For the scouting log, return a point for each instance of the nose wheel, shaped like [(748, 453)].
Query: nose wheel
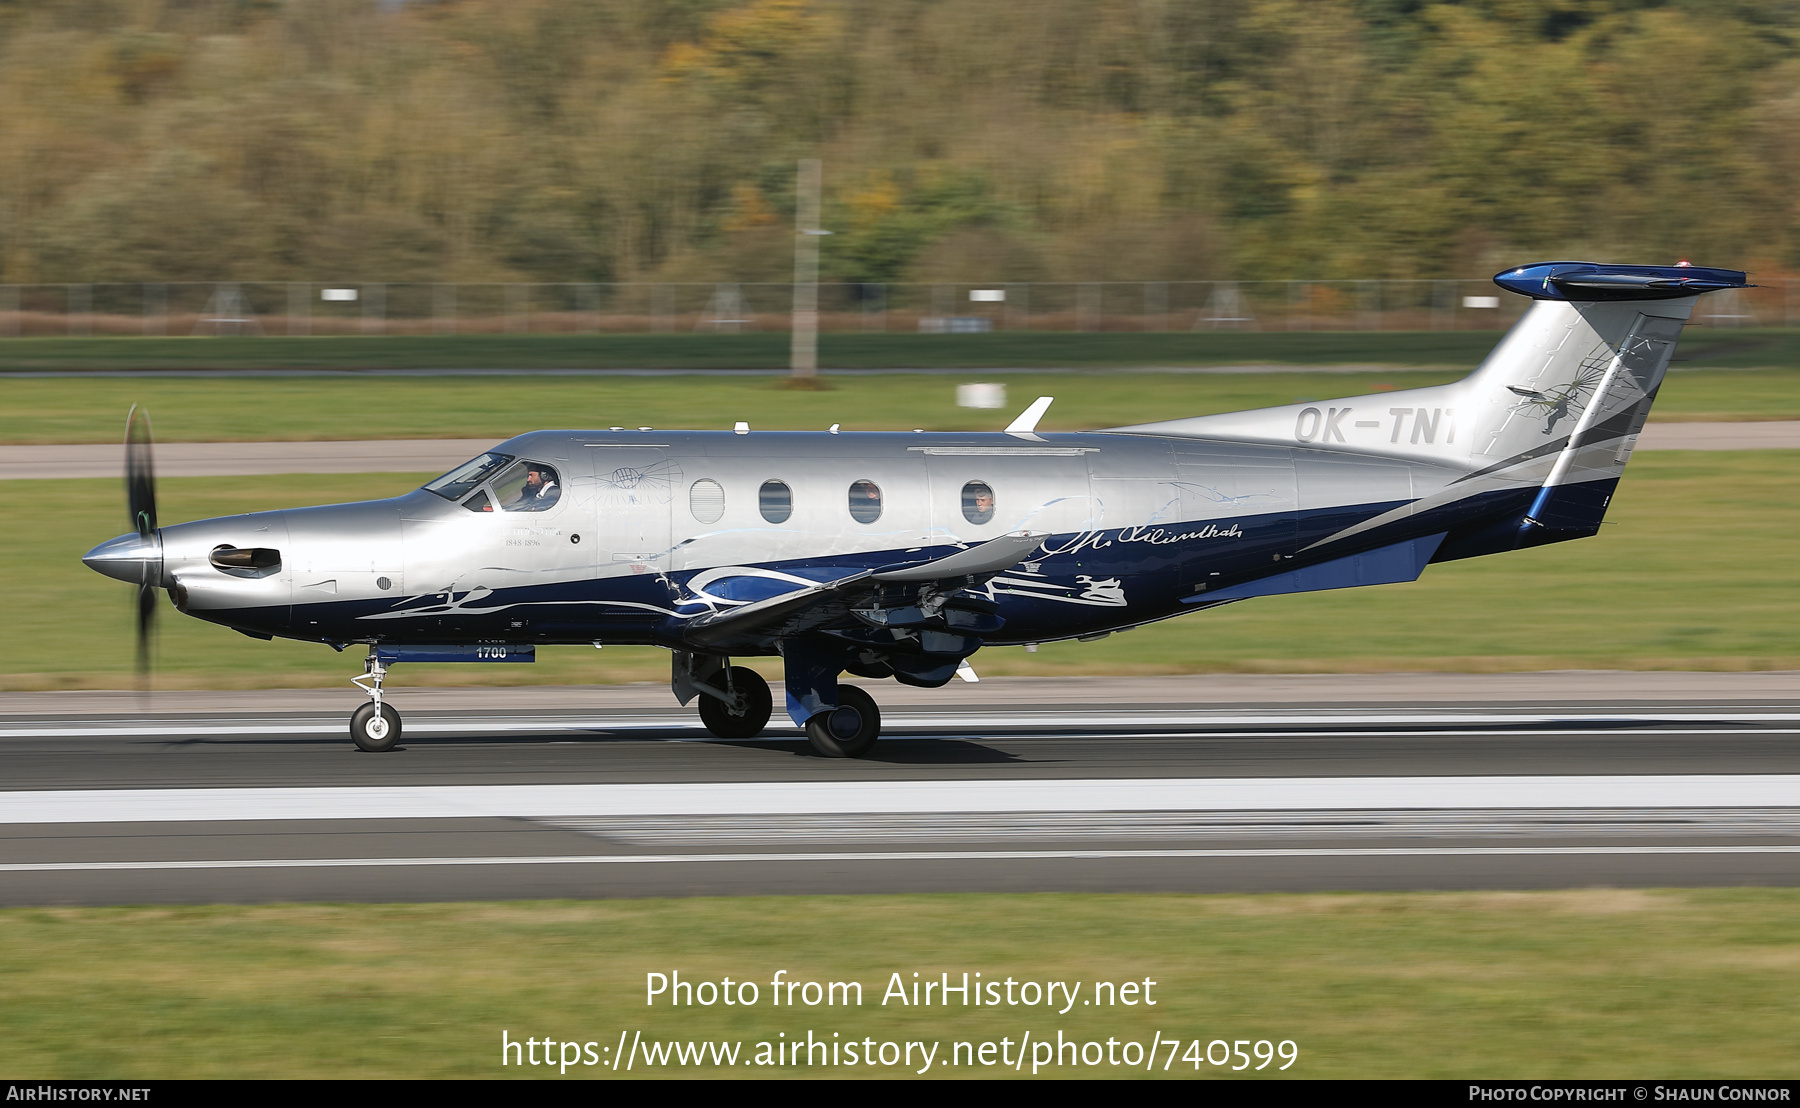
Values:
[(375, 727)]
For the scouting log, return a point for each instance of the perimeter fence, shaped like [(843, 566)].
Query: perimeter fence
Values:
[(313, 308)]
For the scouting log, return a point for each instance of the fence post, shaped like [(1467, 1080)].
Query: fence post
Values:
[(443, 309), (156, 308), (299, 308), (374, 309), (1156, 305), (1368, 305), (1087, 306), (81, 309), (1017, 316), (874, 320), (662, 296), (9, 311), (943, 300), (587, 307)]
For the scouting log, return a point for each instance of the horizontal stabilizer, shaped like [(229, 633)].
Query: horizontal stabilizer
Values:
[(1388, 565), (1592, 281)]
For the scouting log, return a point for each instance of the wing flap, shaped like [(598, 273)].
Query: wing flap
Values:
[(991, 556), (808, 608)]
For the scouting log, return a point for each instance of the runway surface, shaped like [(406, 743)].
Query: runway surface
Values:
[(1020, 784), (207, 459)]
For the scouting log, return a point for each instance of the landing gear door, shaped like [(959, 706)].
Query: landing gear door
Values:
[(635, 489)]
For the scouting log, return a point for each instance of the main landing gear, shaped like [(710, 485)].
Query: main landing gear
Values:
[(850, 729), (735, 703), (375, 727)]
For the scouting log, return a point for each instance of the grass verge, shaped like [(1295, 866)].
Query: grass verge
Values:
[(1600, 983), (185, 409), (1692, 571), (757, 350), (769, 350)]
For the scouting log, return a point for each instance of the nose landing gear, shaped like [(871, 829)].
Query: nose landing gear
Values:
[(375, 727)]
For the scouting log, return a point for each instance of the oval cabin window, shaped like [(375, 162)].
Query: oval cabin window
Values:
[(775, 501), (865, 501), (706, 499), (978, 502)]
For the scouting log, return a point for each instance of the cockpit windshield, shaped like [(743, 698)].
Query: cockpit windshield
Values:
[(457, 483)]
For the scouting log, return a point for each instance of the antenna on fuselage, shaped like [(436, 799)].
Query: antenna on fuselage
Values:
[(1028, 419)]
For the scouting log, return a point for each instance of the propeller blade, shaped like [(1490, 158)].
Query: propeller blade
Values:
[(140, 473), (146, 624), (140, 503)]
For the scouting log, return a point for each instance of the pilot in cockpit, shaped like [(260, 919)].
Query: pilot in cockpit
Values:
[(539, 491)]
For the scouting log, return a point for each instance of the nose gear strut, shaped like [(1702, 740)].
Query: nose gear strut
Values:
[(375, 727)]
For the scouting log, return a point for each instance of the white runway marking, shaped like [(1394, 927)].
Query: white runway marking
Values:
[(892, 856), (820, 797), (783, 728), (464, 726)]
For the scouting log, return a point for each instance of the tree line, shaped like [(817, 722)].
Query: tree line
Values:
[(970, 140)]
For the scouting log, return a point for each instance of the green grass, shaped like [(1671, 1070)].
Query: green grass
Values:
[(769, 350), (761, 350), (1604, 983), (52, 410), (189, 410), (1693, 571)]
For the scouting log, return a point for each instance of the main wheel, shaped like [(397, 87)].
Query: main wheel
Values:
[(375, 730), (850, 729), (722, 721)]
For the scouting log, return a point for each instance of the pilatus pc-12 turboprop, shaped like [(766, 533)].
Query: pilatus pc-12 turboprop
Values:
[(900, 555)]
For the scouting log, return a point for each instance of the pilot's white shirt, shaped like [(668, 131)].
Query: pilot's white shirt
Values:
[(543, 498)]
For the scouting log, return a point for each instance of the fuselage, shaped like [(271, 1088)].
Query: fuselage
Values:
[(649, 529)]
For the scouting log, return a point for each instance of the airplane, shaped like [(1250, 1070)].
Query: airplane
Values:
[(901, 555)]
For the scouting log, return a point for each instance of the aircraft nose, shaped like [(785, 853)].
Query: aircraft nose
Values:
[(130, 558)]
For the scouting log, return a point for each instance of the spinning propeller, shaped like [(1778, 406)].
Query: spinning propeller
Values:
[(136, 558), (140, 501)]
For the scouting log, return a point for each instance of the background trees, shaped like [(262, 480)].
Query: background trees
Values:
[(976, 139)]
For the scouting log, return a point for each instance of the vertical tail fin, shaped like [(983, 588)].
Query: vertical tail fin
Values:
[(1541, 429), (1562, 400), (1588, 354), (1566, 394)]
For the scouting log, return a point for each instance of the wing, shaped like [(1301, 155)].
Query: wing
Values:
[(895, 596)]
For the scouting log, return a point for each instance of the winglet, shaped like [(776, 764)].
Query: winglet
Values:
[(1028, 419)]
